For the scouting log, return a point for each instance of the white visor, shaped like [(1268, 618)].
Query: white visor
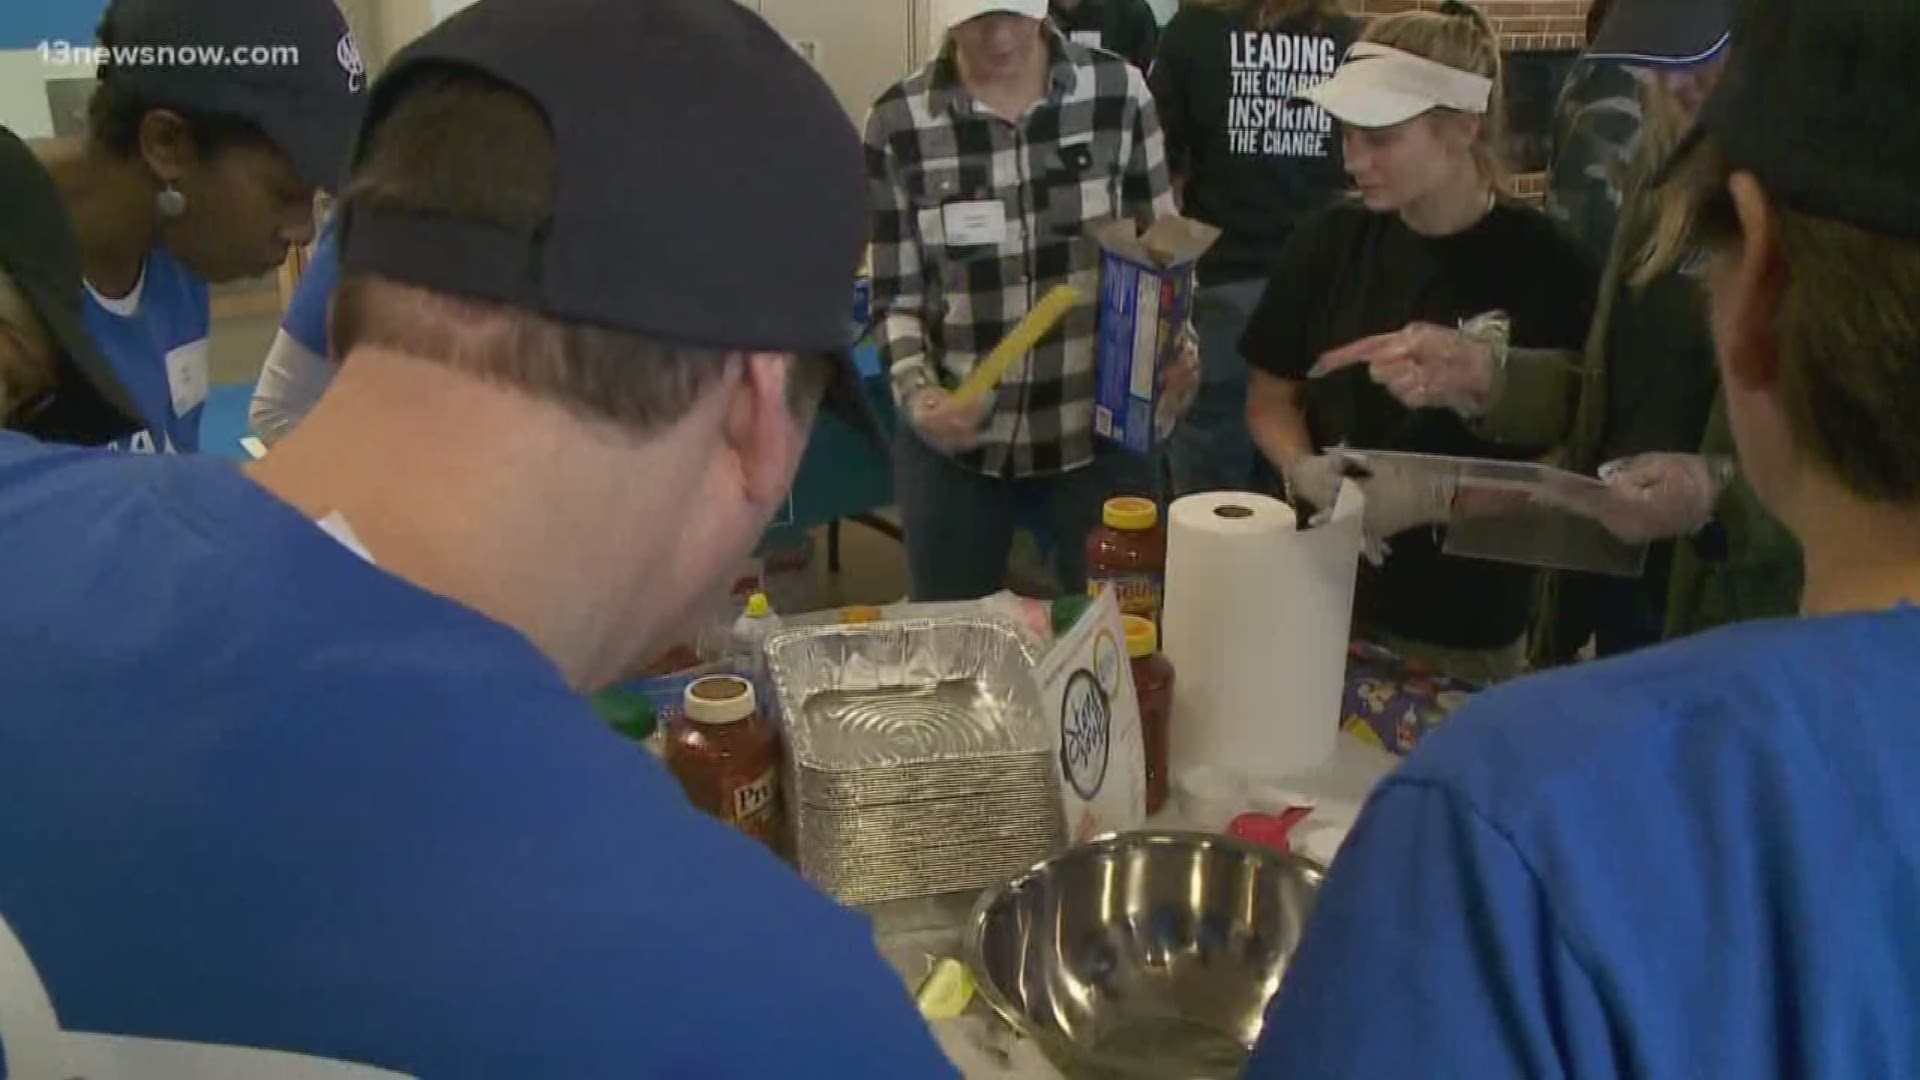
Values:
[(948, 14), (1377, 87)]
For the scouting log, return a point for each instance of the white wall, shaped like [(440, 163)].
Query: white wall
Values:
[(860, 47), (23, 90), (1164, 9)]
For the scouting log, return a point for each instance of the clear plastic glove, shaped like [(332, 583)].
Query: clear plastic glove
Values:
[(1398, 503), (1313, 480), (944, 422), (1661, 496), (1424, 367), (1179, 384)]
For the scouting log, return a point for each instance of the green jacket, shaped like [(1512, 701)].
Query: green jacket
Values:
[(1559, 398), (1761, 576)]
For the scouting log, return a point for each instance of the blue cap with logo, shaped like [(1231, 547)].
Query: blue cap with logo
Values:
[(289, 67)]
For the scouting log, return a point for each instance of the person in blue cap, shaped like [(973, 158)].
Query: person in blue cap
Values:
[(300, 772), (211, 128), (1701, 860)]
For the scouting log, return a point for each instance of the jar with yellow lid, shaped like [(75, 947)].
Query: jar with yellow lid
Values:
[(1153, 688), (1128, 551)]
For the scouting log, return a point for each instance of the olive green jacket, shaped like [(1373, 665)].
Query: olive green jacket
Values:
[(1559, 398)]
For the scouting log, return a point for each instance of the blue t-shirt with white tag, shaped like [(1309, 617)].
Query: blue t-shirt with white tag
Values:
[(1700, 861), (269, 807), (156, 339)]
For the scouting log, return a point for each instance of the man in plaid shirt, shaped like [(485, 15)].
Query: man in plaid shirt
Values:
[(986, 168)]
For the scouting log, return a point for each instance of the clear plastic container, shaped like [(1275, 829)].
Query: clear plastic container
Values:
[(748, 651)]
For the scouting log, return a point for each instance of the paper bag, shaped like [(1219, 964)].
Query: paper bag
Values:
[(1086, 688)]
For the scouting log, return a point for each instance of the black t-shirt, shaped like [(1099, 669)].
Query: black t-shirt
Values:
[(1256, 162), (1127, 27), (1349, 273)]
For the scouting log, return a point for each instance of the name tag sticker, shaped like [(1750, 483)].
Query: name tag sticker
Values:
[(187, 376), (1089, 38), (969, 224)]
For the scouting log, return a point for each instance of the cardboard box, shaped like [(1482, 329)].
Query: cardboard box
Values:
[(1146, 298)]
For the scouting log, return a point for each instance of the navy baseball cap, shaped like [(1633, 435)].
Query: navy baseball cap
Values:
[(41, 254), (1803, 106), (710, 189), (1663, 33), (289, 67)]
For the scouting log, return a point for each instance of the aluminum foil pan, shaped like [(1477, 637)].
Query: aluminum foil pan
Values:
[(918, 758), (881, 696), (999, 777), (911, 824), (928, 871)]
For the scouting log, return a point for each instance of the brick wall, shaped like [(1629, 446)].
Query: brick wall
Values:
[(1523, 25)]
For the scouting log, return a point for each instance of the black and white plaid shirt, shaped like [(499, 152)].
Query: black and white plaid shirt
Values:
[(1091, 151)]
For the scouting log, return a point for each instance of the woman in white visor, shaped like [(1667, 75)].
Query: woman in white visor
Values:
[(1430, 238)]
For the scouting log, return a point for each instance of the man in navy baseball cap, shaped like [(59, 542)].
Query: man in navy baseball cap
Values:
[(1656, 33), (717, 253), (309, 769)]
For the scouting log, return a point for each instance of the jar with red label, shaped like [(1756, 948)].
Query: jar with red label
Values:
[(1129, 552), (1153, 686), (727, 757)]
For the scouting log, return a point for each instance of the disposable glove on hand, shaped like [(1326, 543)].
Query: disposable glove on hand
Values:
[(1424, 367), (946, 424), (1397, 503), (1661, 496), (1179, 385), (1313, 481)]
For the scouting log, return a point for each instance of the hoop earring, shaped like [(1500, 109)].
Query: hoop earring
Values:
[(169, 202)]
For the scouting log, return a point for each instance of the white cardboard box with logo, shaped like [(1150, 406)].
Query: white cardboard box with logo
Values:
[(1086, 688)]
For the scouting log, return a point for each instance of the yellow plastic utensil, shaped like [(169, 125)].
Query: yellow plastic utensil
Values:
[(946, 992), (1045, 315)]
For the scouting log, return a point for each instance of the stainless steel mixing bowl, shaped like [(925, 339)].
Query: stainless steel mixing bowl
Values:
[(1148, 954)]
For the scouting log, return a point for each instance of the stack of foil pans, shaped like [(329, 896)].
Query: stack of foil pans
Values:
[(918, 758)]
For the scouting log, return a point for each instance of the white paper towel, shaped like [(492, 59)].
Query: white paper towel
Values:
[(1256, 624)]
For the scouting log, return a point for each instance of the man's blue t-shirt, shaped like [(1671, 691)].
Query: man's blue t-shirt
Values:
[(1701, 861), (156, 340), (260, 794)]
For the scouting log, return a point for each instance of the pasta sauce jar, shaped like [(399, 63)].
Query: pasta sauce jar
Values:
[(1153, 686), (1129, 552), (727, 757)]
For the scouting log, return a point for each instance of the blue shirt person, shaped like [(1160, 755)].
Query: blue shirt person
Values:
[(1702, 859)]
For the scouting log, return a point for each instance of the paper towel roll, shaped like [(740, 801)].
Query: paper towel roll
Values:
[(1256, 623)]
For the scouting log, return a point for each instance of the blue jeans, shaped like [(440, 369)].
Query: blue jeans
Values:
[(959, 524), (1211, 449)]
